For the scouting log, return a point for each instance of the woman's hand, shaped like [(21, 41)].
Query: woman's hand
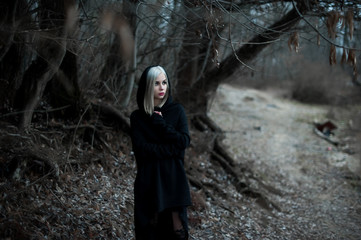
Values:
[(159, 113)]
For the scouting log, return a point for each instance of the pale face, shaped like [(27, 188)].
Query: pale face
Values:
[(160, 88)]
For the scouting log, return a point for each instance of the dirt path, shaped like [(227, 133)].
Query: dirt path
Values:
[(275, 137)]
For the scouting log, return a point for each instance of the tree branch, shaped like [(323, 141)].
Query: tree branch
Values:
[(316, 30), (209, 83)]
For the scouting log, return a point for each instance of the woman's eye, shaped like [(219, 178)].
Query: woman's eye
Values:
[(156, 83), (164, 82)]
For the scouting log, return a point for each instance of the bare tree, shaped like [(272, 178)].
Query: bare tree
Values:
[(200, 43), (201, 89)]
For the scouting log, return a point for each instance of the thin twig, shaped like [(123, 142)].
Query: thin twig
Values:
[(230, 40), (72, 143), (57, 198)]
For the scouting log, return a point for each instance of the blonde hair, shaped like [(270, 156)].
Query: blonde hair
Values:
[(153, 73)]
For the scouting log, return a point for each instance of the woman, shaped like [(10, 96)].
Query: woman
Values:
[(159, 133)]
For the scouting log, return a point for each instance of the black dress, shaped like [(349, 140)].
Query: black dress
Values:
[(161, 185)]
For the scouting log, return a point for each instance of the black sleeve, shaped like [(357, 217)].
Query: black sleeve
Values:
[(179, 136), (145, 149)]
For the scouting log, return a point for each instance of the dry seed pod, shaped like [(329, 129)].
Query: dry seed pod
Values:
[(293, 41), (349, 20), (331, 23), (344, 56), (333, 55), (351, 57)]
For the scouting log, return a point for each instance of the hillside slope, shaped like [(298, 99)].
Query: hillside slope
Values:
[(62, 180)]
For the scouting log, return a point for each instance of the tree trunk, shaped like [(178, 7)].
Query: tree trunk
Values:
[(63, 89), (132, 62), (11, 50), (204, 89), (9, 69), (118, 72), (34, 82), (51, 51), (191, 57), (114, 65), (8, 25), (194, 57)]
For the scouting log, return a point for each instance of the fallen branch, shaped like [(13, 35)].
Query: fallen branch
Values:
[(107, 109)]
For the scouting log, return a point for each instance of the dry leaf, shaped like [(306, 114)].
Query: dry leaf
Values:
[(318, 39), (332, 21), (333, 55), (351, 57), (293, 42), (349, 20), (344, 56)]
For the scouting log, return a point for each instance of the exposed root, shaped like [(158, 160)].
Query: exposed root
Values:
[(239, 175)]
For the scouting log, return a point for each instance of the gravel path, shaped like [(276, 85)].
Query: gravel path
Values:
[(318, 198)]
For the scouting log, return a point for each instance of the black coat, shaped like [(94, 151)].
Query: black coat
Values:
[(159, 143)]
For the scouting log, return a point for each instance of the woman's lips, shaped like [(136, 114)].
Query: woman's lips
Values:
[(161, 94)]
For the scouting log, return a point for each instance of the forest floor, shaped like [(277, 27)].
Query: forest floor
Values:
[(75, 181), (318, 183)]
